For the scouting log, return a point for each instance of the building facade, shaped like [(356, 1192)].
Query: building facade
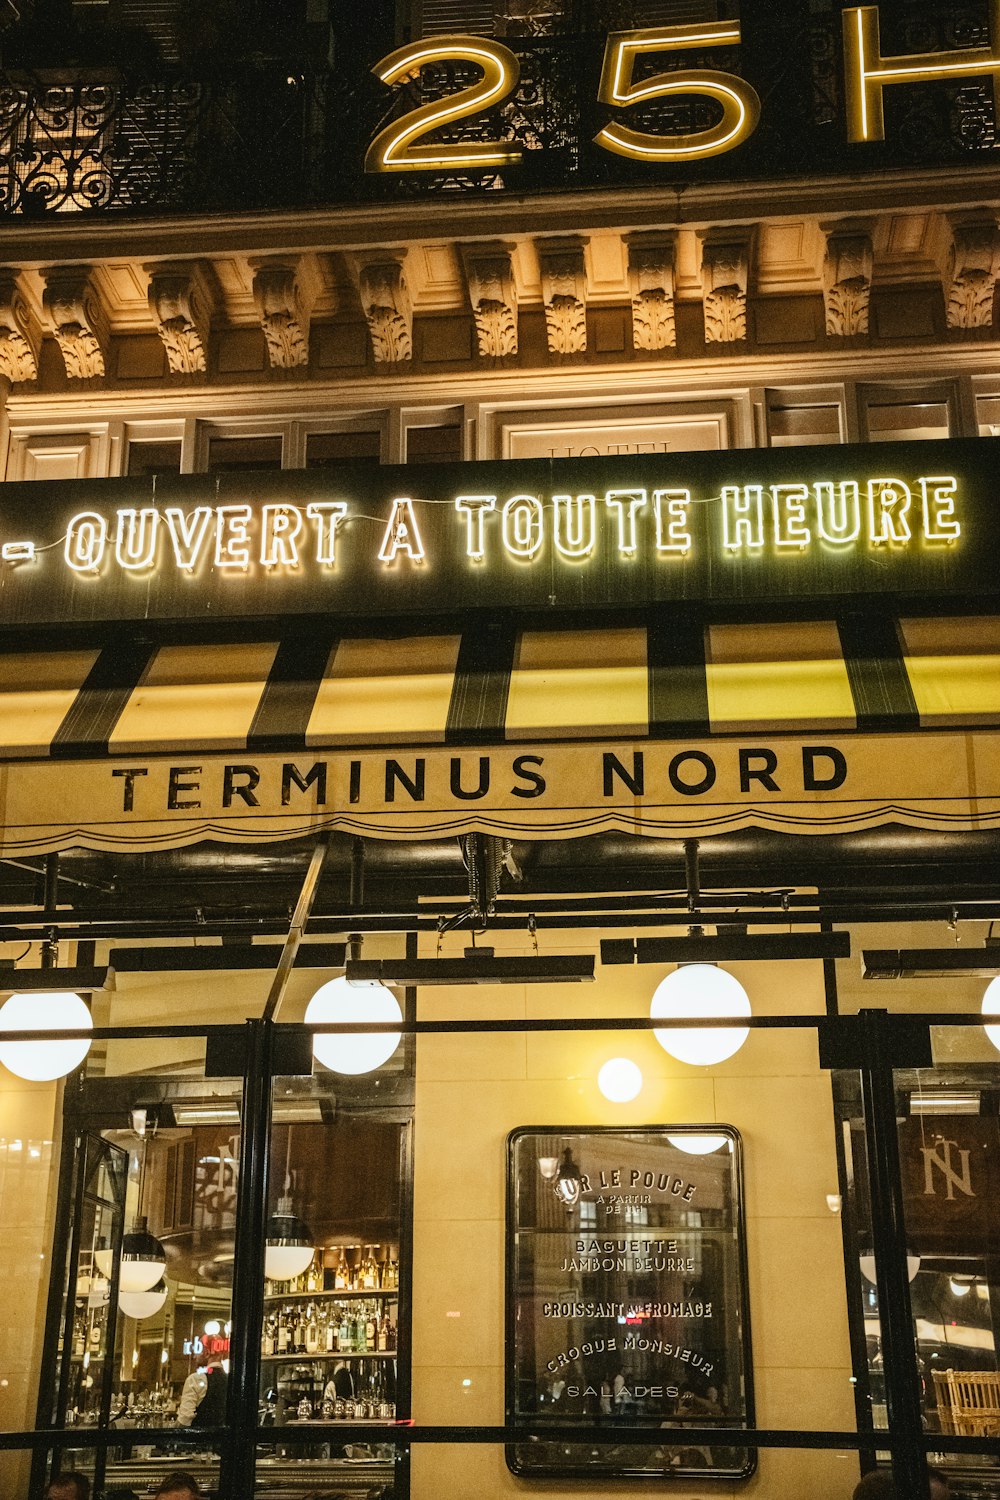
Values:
[(498, 502)]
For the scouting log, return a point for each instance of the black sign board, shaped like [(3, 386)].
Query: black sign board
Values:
[(627, 1300), (363, 542)]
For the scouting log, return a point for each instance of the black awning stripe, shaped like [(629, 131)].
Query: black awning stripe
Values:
[(678, 683), (91, 720), (286, 704), (876, 671), (478, 708)]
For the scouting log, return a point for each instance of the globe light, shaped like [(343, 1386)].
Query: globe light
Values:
[(57, 1010), (699, 1145), (868, 1267), (700, 991), (959, 1288), (145, 1304), (991, 1007), (213, 1327), (340, 1002), (567, 1184), (619, 1080), (143, 1261), (288, 1246)]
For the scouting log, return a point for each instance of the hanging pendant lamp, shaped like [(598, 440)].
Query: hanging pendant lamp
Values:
[(288, 1245), (43, 1061), (145, 1304), (143, 1261)]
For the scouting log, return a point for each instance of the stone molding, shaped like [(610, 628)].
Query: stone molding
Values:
[(725, 271), (78, 321), (564, 295), (20, 331), (973, 267), (284, 305), (489, 276), (385, 300), (181, 304), (847, 282), (651, 281)]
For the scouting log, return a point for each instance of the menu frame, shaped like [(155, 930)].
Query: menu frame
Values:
[(547, 1467)]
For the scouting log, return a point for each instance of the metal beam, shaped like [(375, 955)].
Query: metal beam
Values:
[(300, 916)]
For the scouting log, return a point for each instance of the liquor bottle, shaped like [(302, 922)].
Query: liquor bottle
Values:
[(332, 1341), (283, 1336), (312, 1330), (79, 1337), (371, 1327), (346, 1342), (311, 1276), (369, 1270), (341, 1276), (382, 1334)]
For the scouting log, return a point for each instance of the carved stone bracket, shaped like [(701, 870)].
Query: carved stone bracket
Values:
[(385, 299), (651, 280), (181, 303), (493, 295), (78, 320), (284, 303), (973, 267), (564, 293), (847, 282), (20, 331), (725, 269)]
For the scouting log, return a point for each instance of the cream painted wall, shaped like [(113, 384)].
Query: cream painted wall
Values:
[(29, 1128), (473, 1089)]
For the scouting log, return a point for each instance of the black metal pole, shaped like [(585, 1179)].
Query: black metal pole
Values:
[(238, 1467), (899, 1360)]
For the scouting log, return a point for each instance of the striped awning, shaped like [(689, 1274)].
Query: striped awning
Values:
[(420, 705)]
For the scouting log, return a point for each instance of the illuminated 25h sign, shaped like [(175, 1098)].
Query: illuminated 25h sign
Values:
[(412, 143)]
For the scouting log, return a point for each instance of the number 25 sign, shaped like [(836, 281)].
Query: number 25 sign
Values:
[(403, 146)]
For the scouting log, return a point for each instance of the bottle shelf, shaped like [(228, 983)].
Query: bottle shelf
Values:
[(307, 1359), (343, 1294)]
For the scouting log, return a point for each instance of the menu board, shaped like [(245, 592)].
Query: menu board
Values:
[(627, 1302)]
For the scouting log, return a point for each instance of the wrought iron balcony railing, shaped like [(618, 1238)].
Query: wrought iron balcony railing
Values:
[(260, 137)]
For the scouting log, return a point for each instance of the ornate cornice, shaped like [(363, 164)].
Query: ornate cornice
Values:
[(564, 294), (181, 304), (77, 320)]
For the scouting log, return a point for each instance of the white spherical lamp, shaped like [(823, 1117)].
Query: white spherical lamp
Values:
[(991, 1007), (288, 1244), (699, 992), (339, 1002), (868, 1267), (43, 1010), (619, 1080), (144, 1304)]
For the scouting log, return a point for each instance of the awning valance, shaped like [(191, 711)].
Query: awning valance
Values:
[(807, 726)]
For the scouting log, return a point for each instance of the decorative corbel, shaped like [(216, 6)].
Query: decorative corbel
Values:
[(181, 303), (651, 280), (847, 281), (284, 304), (20, 331), (385, 299), (973, 267), (564, 294), (77, 319), (725, 268), (493, 296)]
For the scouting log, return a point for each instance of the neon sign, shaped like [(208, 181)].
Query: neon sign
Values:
[(401, 146), (785, 516)]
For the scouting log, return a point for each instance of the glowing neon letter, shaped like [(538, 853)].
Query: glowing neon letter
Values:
[(523, 524), (626, 503), (393, 149), (281, 527), (788, 503), (867, 72), (86, 539), (188, 533), (136, 538), (740, 103), (742, 517), (402, 534), (838, 510), (575, 525), (232, 536), (888, 502), (327, 514), (473, 508), (940, 524), (670, 508)]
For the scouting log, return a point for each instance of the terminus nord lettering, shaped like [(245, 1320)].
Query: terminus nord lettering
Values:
[(415, 779)]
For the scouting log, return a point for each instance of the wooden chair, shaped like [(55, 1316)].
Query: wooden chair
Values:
[(975, 1402)]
